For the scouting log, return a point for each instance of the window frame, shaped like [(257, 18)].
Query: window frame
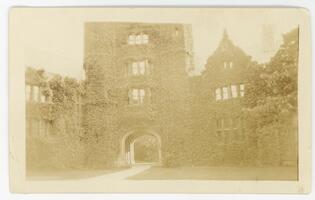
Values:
[(131, 39), (137, 96), (225, 93), (138, 38), (35, 93), (28, 92), (234, 92), (225, 65), (139, 67), (231, 91), (145, 38), (218, 94), (229, 127)]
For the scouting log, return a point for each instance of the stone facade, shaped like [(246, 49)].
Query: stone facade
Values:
[(52, 125), (219, 130), (139, 81), (198, 120)]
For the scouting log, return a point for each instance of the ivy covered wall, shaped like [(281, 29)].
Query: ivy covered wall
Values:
[(256, 125), (53, 133), (108, 109), (83, 124)]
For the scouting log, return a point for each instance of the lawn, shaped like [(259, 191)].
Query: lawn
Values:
[(218, 173)]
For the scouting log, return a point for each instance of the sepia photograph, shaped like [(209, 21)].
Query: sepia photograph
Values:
[(118, 96)]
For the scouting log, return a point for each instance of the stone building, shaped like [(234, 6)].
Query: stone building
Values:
[(223, 132), (137, 84), (34, 96), (52, 125), (217, 112)]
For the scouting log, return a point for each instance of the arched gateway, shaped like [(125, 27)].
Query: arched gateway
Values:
[(127, 146)]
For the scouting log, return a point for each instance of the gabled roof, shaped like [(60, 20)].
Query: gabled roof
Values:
[(227, 46)]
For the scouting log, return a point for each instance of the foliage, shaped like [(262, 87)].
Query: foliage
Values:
[(62, 147), (271, 98), (273, 88), (35, 77)]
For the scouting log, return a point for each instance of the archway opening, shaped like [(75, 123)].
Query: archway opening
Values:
[(146, 149), (141, 148)]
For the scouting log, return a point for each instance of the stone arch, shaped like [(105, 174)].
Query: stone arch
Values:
[(132, 136)]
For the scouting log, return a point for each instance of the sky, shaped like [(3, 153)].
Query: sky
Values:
[(53, 37)]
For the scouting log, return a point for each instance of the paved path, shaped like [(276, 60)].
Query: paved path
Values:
[(124, 174)]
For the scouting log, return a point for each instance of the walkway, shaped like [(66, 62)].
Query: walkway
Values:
[(124, 174)]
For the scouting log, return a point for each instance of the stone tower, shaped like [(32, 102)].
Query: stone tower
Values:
[(137, 84)]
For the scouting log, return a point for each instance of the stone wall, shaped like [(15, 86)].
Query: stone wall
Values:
[(52, 128)]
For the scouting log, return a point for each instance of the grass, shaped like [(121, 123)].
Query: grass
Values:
[(218, 173)]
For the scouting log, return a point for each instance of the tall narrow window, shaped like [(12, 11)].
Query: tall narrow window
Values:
[(134, 68), (231, 65), (28, 92), (242, 90), (131, 39), (234, 91), (138, 39), (145, 39), (35, 93), (141, 95), (225, 65), (225, 92), (137, 96), (218, 94), (141, 67)]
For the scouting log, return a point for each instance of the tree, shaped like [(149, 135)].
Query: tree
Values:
[(271, 99)]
